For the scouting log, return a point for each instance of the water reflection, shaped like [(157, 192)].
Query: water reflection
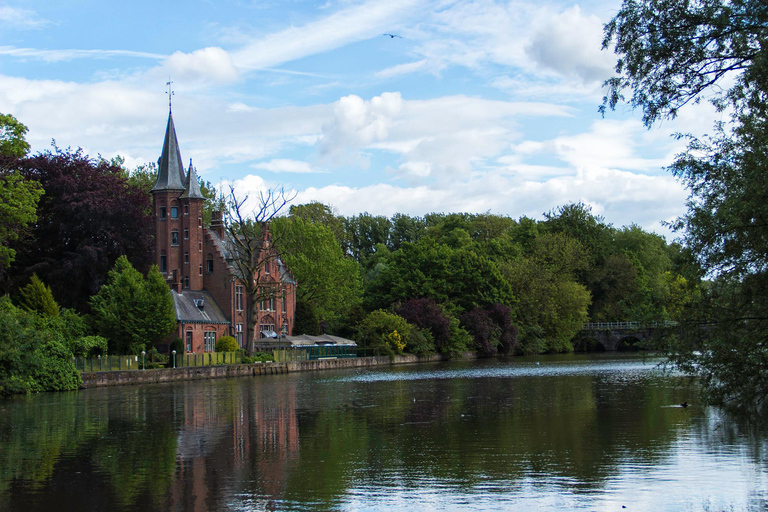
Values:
[(568, 432)]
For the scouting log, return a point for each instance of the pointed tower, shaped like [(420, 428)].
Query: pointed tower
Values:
[(195, 264), (167, 207)]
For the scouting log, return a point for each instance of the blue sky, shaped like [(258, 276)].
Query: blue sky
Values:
[(478, 106)]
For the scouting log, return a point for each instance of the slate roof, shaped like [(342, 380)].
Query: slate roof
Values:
[(170, 171), (192, 188), (188, 308), (305, 340), (227, 249)]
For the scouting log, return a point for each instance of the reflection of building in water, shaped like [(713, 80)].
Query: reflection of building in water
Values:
[(249, 437)]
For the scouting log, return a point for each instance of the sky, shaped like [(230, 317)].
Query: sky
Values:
[(475, 106)]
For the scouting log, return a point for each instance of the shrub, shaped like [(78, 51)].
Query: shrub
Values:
[(226, 344), (177, 345), (421, 343), (36, 297), (376, 331), (33, 356), (89, 346)]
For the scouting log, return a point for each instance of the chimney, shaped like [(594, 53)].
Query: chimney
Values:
[(176, 284), (217, 224)]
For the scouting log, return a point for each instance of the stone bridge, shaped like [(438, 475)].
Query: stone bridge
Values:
[(619, 335)]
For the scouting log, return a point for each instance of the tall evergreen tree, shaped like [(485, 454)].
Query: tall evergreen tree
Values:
[(131, 312)]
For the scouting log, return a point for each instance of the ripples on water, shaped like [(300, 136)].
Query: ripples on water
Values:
[(545, 433)]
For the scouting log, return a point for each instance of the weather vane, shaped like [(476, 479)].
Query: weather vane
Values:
[(170, 92)]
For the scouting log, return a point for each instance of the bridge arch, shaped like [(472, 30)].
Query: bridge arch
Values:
[(630, 344), (588, 344)]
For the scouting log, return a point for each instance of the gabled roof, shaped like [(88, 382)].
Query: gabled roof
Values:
[(192, 188), (197, 307), (228, 250), (170, 171)]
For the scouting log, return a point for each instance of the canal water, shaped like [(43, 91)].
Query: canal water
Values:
[(568, 432)]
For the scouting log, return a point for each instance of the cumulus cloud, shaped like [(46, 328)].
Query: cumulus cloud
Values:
[(358, 123), (622, 197), (570, 44), (207, 64)]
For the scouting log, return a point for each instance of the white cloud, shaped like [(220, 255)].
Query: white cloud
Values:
[(358, 123), (401, 69), (280, 165), (21, 18), (207, 64), (570, 44), (345, 26), (622, 197), (70, 54)]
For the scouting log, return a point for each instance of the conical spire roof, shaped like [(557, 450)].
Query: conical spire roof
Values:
[(170, 171), (192, 189)]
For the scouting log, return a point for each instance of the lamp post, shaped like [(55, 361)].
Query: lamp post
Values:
[(143, 360), (174, 358)]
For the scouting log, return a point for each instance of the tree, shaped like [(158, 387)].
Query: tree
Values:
[(37, 297), (87, 218), (328, 281), (247, 228), (133, 313), (671, 53), (552, 305), (320, 213), (18, 209), (33, 357), (426, 314), (460, 277), (12, 141)]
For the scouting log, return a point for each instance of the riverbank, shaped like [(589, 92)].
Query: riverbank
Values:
[(131, 377)]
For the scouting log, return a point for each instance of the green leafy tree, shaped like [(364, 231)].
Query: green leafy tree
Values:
[(38, 298), (18, 209), (672, 53), (328, 281), (12, 141), (131, 312), (320, 213), (33, 357)]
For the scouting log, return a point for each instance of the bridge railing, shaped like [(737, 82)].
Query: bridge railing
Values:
[(592, 326)]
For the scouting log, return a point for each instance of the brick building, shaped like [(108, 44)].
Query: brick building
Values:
[(198, 263)]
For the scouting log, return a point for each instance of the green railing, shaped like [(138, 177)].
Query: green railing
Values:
[(207, 359), (118, 363), (313, 353)]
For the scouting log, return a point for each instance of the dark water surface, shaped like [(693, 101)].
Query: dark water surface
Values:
[(546, 433)]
